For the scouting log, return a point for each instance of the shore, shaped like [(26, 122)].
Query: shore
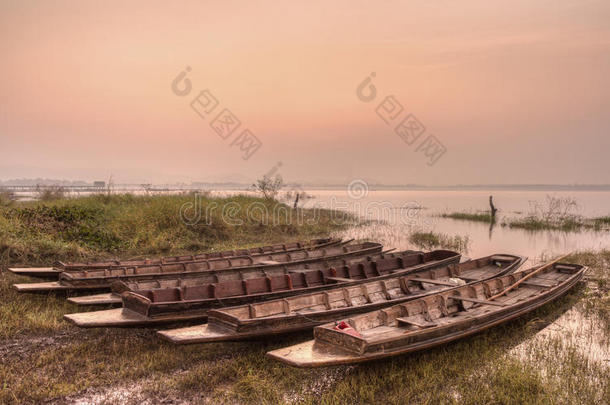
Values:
[(44, 358)]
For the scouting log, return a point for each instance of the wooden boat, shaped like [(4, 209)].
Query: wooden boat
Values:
[(59, 267), (432, 320), (306, 311), (235, 266), (155, 306), (119, 287)]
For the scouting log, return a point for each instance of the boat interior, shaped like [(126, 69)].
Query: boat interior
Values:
[(295, 280), (382, 291), (435, 315), (224, 263), (268, 249)]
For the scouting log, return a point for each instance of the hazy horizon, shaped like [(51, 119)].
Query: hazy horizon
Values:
[(517, 92)]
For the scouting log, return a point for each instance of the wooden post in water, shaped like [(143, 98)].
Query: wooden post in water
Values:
[(493, 208), (296, 201)]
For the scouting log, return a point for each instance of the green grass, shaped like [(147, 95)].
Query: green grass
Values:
[(466, 216), (537, 224), (433, 240), (568, 224), (601, 222), (124, 225)]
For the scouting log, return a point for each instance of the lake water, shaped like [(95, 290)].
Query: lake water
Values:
[(397, 213)]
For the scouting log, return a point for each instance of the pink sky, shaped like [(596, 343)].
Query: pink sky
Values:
[(517, 92)]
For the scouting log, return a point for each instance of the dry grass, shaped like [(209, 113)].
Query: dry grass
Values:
[(433, 240), (74, 364)]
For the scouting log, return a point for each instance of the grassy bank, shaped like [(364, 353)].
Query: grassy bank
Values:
[(569, 224), (433, 240), (42, 358), (503, 365), (123, 225), (126, 226), (467, 216)]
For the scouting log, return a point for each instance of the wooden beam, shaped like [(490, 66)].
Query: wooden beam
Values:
[(431, 281), (532, 274), (477, 301), (415, 323), (340, 279)]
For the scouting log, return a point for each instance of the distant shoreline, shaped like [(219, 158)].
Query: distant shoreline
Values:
[(11, 185)]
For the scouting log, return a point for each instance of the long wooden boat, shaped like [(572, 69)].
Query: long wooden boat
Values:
[(432, 320), (119, 287), (305, 311), (187, 302), (235, 266), (59, 267)]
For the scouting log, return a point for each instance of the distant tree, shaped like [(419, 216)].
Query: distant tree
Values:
[(269, 187), (50, 193)]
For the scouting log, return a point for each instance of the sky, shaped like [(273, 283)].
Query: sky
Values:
[(502, 92)]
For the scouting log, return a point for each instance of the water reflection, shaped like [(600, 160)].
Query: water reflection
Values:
[(576, 331), (485, 238)]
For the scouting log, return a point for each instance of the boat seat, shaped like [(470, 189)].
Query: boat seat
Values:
[(562, 268), (431, 281), (477, 301), (538, 283), (196, 292), (421, 325), (501, 258), (339, 279), (166, 295), (228, 289)]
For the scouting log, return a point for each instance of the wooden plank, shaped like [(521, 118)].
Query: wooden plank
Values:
[(538, 283), (40, 287), (121, 317), (422, 325), (477, 301), (431, 281), (35, 271), (98, 299), (340, 279), (528, 276)]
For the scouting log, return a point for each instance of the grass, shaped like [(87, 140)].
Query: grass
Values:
[(601, 222), (432, 240), (466, 216), (570, 223), (532, 223), (42, 358), (123, 225), (126, 226), (565, 224), (474, 370)]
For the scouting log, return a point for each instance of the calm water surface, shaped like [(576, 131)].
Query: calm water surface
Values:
[(396, 216)]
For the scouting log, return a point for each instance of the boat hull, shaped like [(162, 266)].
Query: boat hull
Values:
[(123, 318), (179, 311), (320, 354), (54, 272), (222, 327), (71, 282)]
